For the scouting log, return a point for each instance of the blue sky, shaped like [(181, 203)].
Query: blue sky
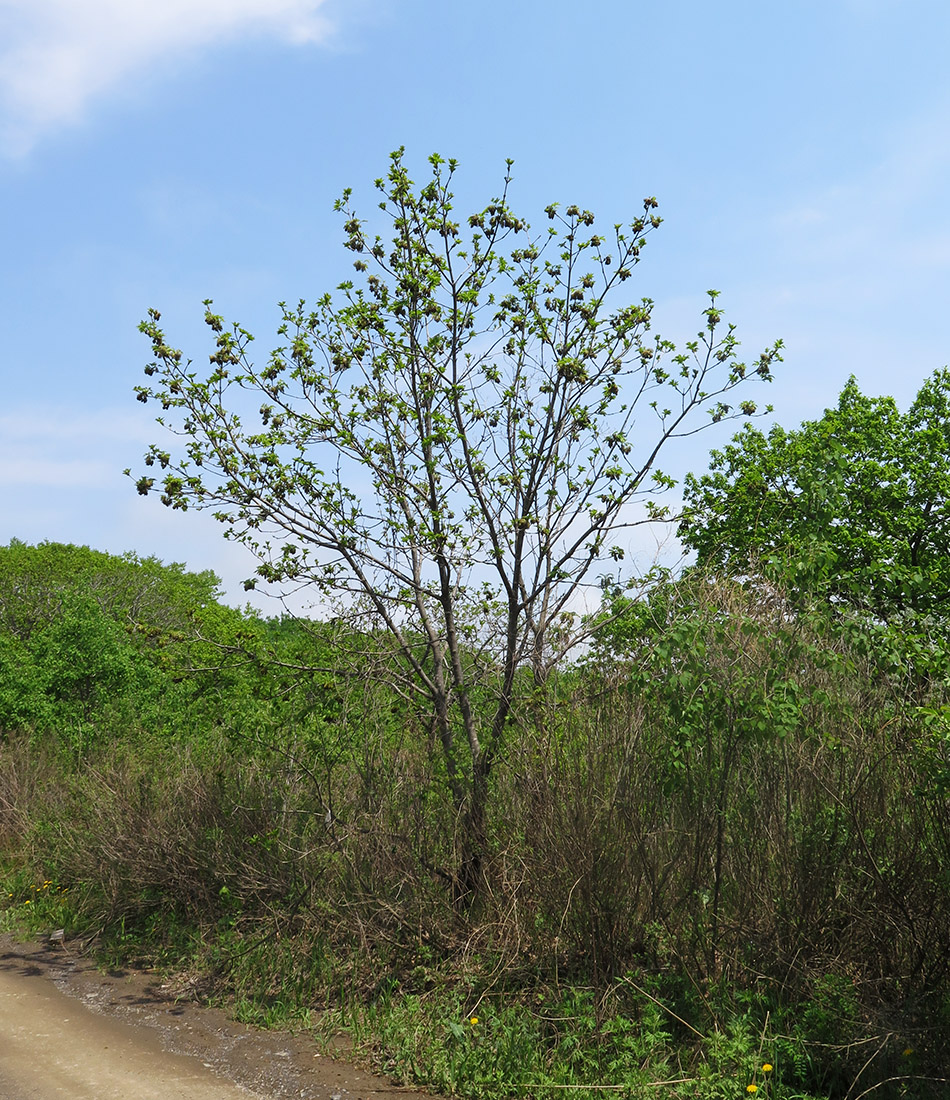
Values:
[(158, 154)]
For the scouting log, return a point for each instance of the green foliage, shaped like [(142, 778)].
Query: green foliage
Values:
[(84, 656), (854, 506), (23, 700), (93, 644), (448, 447), (496, 1047), (723, 660), (36, 907), (721, 843), (129, 588)]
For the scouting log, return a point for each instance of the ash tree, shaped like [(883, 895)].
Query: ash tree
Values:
[(449, 448)]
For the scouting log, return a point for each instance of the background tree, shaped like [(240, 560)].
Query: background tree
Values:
[(858, 502), (106, 646), (449, 448), (133, 590)]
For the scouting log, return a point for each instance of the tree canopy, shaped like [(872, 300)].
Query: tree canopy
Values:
[(34, 580), (101, 645), (859, 500)]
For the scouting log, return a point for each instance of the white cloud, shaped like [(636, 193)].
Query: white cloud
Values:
[(48, 426), (40, 473), (886, 211), (59, 448), (59, 56)]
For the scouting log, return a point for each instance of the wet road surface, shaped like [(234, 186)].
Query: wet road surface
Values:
[(70, 1032)]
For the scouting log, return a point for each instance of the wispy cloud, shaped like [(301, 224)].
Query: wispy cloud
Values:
[(856, 270), (41, 473), (884, 214), (59, 56), (49, 426), (48, 448), (61, 479)]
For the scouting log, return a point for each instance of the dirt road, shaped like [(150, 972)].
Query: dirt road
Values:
[(69, 1032)]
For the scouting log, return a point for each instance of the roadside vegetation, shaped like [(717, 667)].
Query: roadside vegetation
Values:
[(519, 821), (720, 841)]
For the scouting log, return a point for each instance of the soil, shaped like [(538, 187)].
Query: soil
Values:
[(72, 1032)]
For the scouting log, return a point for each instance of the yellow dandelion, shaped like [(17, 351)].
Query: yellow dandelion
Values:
[(752, 1088), (908, 1052), (473, 1020), (767, 1068)]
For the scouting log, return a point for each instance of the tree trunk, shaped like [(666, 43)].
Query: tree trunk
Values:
[(473, 844)]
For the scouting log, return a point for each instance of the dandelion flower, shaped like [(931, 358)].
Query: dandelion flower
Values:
[(908, 1052), (752, 1088), (767, 1068), (473, 1020)]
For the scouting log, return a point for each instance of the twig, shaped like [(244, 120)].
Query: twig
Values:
[(903, 1077), (665, 1008), (865, 1066), (645, 1085)]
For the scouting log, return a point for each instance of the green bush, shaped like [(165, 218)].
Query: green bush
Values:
[(720, 843)]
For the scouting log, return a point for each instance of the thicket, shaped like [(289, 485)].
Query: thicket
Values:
[(720, 841)]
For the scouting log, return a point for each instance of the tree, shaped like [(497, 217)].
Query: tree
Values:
[(448, 448), (858, 502), (100, 642), (34, 580)]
